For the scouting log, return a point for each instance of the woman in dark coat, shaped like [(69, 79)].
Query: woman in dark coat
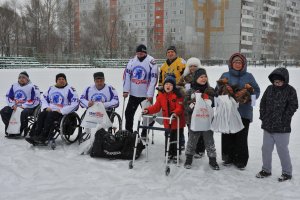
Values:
[(242, 84)]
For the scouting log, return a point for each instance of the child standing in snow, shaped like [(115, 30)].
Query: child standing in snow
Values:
[(277, 106), (199, 85), (170, 100), (186, 80)]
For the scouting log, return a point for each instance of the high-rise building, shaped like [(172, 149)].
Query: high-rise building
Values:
[(211, 29)]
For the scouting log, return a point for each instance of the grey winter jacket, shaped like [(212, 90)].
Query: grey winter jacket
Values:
[(278, 105), (238, 79)]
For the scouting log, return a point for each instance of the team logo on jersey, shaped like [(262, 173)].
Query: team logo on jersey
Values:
[(139, 75), (99, 97), (20, 97), (57, 99)]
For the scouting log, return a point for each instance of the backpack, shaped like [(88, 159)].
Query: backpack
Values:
[(118, 146)]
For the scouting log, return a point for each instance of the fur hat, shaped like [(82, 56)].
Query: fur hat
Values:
[(60, 75), (170, 79), (190, 62), (141, 48)]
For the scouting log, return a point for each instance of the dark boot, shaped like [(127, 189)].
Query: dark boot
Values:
[(284, 177), (188, 161), (213, 163)]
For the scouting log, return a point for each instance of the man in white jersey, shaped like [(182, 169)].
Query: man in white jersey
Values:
[(100, 92), (60, 99), (22, 94), (140, 78)]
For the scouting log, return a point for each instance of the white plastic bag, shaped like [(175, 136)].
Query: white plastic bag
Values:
[(235, 124), (146, 120), (96, 117), (14, 124), (202, 114), (226, 119), (85, 147)]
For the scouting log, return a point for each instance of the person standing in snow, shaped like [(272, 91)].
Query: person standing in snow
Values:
[(60, 99), (277, 107), (170, 101), (140, 79), (241, 85), (186, 81), (22, 94), (199, 85), (174, 65)]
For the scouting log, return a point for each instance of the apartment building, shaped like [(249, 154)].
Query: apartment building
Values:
[(210, 29)]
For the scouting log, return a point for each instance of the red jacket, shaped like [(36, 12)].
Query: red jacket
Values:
[(169, 103)]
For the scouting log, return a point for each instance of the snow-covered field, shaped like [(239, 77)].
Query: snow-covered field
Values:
[(40, 173)]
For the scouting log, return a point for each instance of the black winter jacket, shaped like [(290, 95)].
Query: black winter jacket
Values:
[(278, 105)]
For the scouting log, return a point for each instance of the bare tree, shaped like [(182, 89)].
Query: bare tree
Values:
[(66, 25), (105, 34), (276, 39)]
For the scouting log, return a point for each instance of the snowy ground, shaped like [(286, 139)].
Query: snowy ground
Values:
[(41, 173)]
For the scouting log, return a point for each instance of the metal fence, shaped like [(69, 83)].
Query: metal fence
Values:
[(33, 62)]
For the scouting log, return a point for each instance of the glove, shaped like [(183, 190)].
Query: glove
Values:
[(145, 112), (205, 96), (242, 96)]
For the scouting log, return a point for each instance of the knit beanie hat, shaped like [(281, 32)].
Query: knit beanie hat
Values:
[(60, 75), (24, 73), (199, 72), (141, 48), (172, 48), (170, 79), (98, 75)]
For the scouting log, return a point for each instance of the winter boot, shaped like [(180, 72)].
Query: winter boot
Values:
[(263, 174), (188, 161), (284, 177), (213, 163)]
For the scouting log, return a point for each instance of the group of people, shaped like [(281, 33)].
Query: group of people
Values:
[(59, 100), (178, 84)]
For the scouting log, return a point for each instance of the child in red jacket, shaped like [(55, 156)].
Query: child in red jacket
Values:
[(171, 102)]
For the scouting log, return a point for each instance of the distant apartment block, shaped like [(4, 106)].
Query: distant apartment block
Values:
[(210, 29)]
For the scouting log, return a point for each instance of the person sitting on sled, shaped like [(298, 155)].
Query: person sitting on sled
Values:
[(170, 100)]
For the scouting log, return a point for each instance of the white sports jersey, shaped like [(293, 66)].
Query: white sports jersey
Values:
[(63, 99), (140, 78), (27, 96), (107, 95)]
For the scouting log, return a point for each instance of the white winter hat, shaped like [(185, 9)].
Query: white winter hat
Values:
[(192, 61)]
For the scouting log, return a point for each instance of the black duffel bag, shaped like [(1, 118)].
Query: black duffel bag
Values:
[(118, 146)]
